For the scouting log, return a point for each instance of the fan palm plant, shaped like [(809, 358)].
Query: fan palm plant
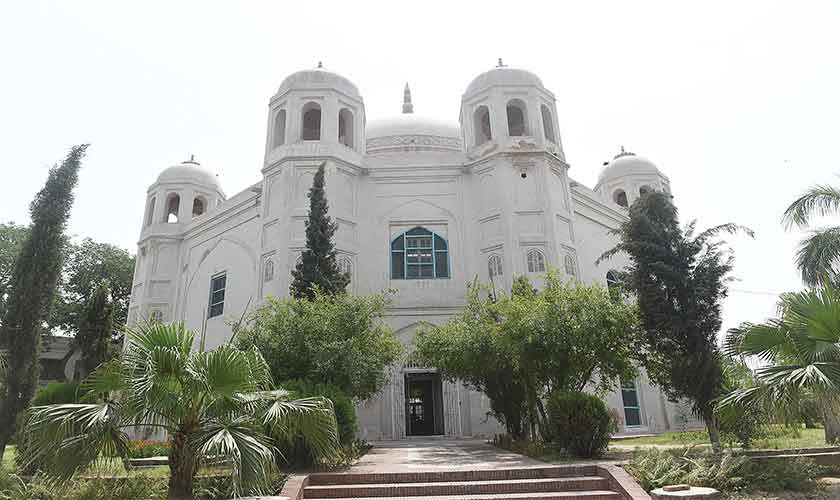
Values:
[(218, 404), (800, 356), (819, 254)]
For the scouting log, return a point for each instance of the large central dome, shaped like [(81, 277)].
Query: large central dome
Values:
[(409, 132)]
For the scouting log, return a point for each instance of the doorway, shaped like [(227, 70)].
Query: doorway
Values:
[(423, 404)]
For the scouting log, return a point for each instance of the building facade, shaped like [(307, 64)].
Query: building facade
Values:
[(423, 207)]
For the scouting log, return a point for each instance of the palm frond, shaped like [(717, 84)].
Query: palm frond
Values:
[(819, 200), (312, 419), (818, 256), (729, 228)]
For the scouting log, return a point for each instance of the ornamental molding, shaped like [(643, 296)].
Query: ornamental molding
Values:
[(415, 141)]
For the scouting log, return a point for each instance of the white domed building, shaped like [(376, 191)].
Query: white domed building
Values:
[(490, 195)]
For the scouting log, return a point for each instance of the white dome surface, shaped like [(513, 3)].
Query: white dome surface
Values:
[(503, 76), (409, 131), (627, 164), (189, 172), (320, 79)]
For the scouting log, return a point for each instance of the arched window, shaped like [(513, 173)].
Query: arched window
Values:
[(613, 283), (345, 127), (311, 126), (150, 216), (644, 190), (569, 266), (280, 128), (419, 254), (536, 261), (199, 206), (494, 266), (548, 124), (481, 124), (345, 265), (156, 316), (173, 203), (268, 271), (516, 118), (620, 197)]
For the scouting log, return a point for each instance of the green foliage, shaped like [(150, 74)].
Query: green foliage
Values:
[(339, 340), (129, 488), (147, 449), (679, 281), (11, 238), (800, 353), (96, 326), (519, 346), (740, 423), (728, 472), (819, 253), (318, 267), (214, 403), (580, 423), (57, 393), (32, 289), (345, 409)]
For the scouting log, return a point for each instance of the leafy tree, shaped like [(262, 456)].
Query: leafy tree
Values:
[(96, 326), (11, 238), (800, 351), (518, 348), (339, 340), (32, 288), (88, 266), (679, 281), (318, 266), (219, 404), (819, 254)]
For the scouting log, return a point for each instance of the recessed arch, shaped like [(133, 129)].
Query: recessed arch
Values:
[(268, 271), (494, 266), (620, 197), (310, 129), (280, 128), (548, 123), (199, 206), (481, 125), (345, 265), (173, 205), (517, 118), (645, 190), (419, 254), (570, 266), (150, 215), (536, 261), (345, 127)]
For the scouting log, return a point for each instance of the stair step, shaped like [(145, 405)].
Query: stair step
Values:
[(550, 495), (321, 479), (441, 488)]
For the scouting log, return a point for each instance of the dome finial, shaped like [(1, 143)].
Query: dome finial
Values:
[(320, 65), (407, 106), (191, 161), (623, 153), (501, 64)]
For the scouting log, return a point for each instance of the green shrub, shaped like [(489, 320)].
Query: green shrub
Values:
[(127, 488), (55, 393), (580, 423), (345, 409), (654, 468), (146, 449)]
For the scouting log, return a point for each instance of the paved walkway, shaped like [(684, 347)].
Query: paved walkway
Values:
[(414, 455)]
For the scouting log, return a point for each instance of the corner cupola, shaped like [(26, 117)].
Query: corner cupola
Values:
[(628, 176), (181, 193), (509, 108)]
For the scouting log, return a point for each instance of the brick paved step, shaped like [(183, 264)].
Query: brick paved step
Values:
[(551, 495), (441, 488), (467, 475)]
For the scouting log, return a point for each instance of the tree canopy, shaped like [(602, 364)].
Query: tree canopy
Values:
[(818, 257), (335, 339), (679, 281), (518, 347)]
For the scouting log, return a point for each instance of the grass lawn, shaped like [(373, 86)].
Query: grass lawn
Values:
[(778, 437)]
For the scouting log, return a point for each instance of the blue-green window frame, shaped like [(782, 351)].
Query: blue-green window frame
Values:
[(216, 302), (439, 245), (631, 385)]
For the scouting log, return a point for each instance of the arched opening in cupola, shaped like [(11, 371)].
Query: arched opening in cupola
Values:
[(345, 127), (280, 128), (173, 204), (199, 206), (311, 123), (516, 118), (548, 124), (481, 124), (620, 197), (150, 216)]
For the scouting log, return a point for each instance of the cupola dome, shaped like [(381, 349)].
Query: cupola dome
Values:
[(189, 172), (318, 79), (503, 76), (627, 163)]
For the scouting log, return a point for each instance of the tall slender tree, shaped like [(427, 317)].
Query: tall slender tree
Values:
[(95, 329), (318, 266), (32, 289), (679, 280)]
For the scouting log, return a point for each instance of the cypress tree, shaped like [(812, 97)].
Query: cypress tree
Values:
[(318, 266), (32, 289), (95, 329), (679, 280)]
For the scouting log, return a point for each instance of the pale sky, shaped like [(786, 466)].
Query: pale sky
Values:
[(737, 102)]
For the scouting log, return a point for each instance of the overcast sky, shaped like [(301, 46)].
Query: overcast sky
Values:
[(737, 102)]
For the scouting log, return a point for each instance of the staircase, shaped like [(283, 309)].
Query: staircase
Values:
[(587, 482)]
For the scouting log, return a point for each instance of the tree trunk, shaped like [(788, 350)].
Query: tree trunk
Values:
[(713, 429), (182, 467), (831, 419)]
